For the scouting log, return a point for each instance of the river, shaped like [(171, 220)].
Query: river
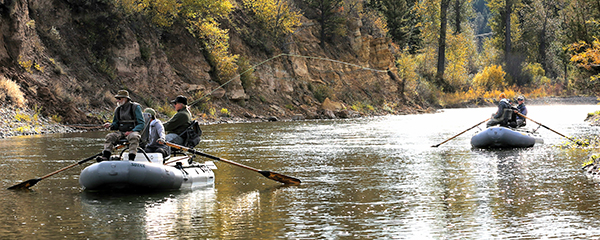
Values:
[(367, 178)]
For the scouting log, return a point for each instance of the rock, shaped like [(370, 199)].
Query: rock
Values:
[(219, 93), (297, 117), (272, 119), (278, 109), (331, 105), (328, 114), (249, 115)]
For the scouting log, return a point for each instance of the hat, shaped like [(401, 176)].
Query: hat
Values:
[(180, 99), (150, 111), (123, 94), (520, 98), (502, 95)]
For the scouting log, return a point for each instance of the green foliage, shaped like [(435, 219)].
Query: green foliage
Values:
[(491, 78), (246, 72), (321, 92), (498, 24), (274, 16), (290, 107), (535, 73), (329, 16), (402, 21)]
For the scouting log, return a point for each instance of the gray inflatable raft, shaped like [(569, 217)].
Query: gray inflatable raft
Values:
[(148, 174), (501, 137)]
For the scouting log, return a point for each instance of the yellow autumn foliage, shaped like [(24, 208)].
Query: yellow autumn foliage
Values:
[(587, 55), (275, 16), (491, 78), (201, 17)]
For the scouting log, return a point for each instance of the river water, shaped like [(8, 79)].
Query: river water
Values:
[(368, 178)]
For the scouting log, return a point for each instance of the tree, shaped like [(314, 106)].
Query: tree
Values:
[(505, 24), (329, 17), (442, 40), (275, 16), (402, 20), (201, 19)]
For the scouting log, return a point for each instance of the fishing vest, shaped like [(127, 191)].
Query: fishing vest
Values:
[(126, 116)]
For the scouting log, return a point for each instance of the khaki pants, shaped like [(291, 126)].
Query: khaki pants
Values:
[(113, 138)]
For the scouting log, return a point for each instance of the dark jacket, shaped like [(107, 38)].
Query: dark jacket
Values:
[(504, 104), (179, 122), (522, 110), (128, 117)]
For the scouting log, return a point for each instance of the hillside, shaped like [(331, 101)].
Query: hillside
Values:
[(70, 58)]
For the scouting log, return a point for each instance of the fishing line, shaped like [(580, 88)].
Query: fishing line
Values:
[(289, 55)]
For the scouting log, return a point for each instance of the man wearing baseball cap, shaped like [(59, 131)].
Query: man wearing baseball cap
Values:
[(522, 110), (179, 122)]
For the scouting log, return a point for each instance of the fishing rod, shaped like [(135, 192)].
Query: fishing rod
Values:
[(288, 55)]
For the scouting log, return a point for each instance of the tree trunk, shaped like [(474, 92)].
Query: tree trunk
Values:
[(507, 40), (457, 8), (442, 40)]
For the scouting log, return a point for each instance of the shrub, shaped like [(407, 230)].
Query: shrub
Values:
[(10, 92), (321, 92), (491, 78)]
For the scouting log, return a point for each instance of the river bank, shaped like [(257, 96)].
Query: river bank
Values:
[(23, 121)]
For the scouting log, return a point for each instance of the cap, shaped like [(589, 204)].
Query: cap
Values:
[(520, 98), (150, 111), (123, 94), (180, 99)]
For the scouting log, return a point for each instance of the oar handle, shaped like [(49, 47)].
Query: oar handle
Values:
[(437, 145), (210, 156), (518, 113)]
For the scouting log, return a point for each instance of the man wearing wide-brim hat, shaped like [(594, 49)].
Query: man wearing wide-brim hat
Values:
[(129, 122), (179, 122)]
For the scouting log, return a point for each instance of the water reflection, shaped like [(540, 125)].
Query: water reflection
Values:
[(162, 215), (371, 178)]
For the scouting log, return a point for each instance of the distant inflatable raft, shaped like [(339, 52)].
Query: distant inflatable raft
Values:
[(501, 137)]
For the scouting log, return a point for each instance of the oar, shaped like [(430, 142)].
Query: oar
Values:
[(437, 145), (29, 183), (268, 174), (548, 128)]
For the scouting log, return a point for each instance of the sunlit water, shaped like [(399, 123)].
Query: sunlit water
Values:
[(371, 178)]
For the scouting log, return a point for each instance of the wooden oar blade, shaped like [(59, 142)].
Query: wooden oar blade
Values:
[(280, 178), (25, 185)]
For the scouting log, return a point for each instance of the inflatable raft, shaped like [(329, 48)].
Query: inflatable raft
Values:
[(501, 137), (148, 173)]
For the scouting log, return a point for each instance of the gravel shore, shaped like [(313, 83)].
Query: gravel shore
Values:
[(18, 122)]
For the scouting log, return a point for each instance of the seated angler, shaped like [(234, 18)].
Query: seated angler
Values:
[(179, 122), (129, 122), (155, 134), (501, 116)]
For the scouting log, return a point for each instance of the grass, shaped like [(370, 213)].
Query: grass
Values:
[(11, 92)]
